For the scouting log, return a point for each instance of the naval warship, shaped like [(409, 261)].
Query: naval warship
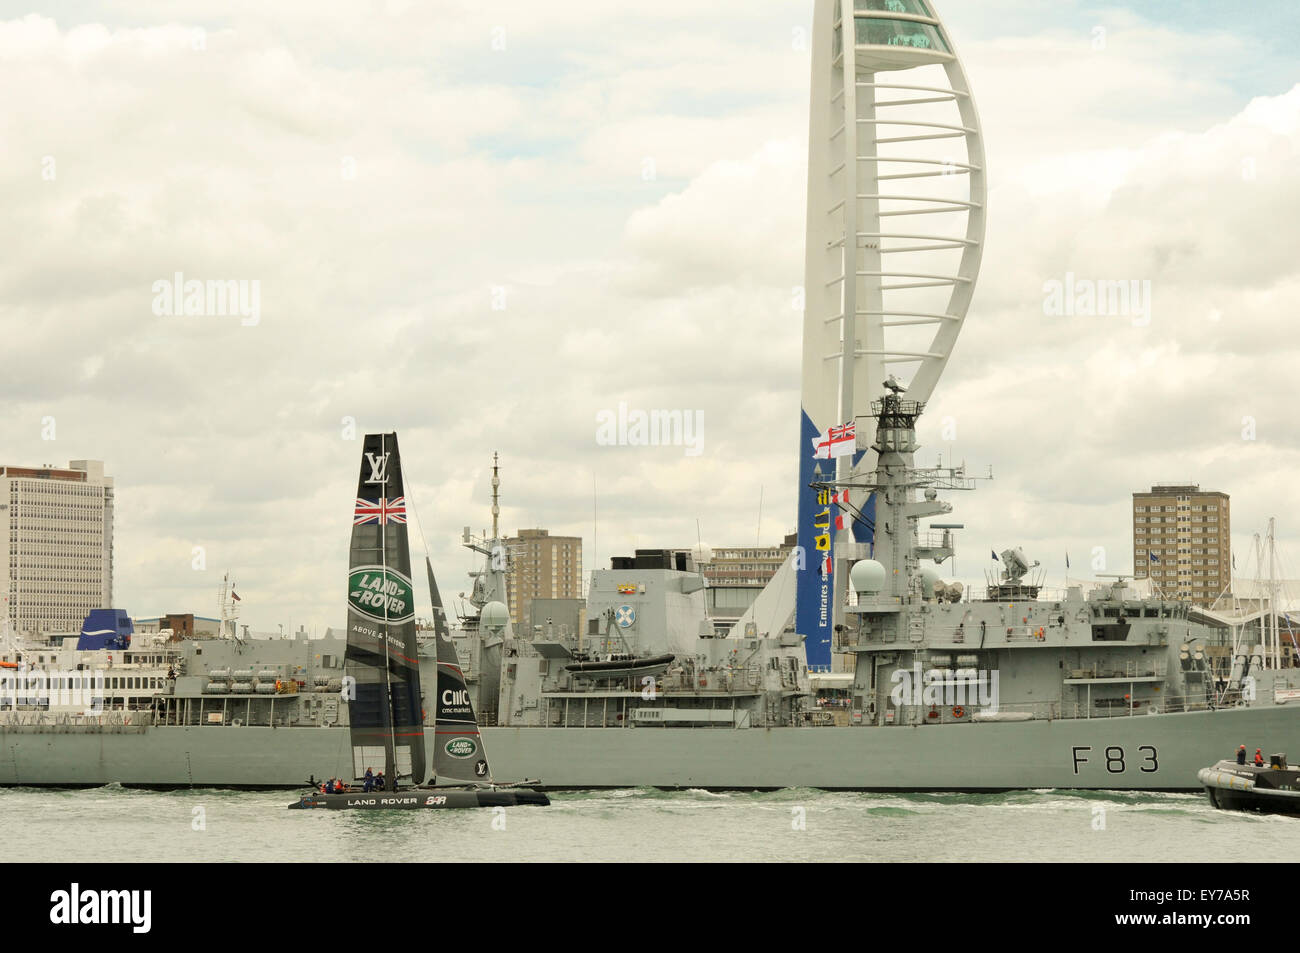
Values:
[(1012, 687)]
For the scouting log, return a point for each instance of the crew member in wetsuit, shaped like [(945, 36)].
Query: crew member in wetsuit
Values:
[(369, 783), (379, 781), (1241, 755)]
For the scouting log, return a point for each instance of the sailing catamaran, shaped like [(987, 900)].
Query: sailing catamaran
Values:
[(382, 684)]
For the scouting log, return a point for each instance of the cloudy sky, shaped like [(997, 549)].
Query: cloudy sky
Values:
[(481, 225)]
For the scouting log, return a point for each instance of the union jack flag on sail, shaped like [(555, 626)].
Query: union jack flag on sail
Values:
[(380, 511), (836, 441)]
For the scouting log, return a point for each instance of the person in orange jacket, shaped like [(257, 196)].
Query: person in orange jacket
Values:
[(1259, 758)]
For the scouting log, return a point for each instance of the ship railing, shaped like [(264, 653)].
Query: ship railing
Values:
[(933, 540), (943, 714), (1236, 696), (1044, 710), (742, 680), (846, 638), (946, 714), (1180, 703), (1052, 594), (1130, 669), (56, 721), (958, 635), (1127, 708)]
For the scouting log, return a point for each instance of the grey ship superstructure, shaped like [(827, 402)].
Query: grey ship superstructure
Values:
[(648, 654), (1018, 656)]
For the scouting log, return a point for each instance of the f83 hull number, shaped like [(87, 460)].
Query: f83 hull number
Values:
[(1116, 759)]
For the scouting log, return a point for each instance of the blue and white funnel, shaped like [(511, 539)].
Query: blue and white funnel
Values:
[(106, 629)]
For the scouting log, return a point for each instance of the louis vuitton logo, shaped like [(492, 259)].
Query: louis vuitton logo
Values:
[(378, 467)]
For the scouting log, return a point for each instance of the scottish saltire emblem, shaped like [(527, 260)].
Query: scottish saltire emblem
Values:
[(624, 616), (380, 511)]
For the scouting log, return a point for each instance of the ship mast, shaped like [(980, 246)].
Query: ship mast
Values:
[(388, 672), (490, 581), (895, 481), (496, 508), (1272, 594), (227, 610)]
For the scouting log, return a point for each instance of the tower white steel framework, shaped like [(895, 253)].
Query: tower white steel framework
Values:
[(896, 202)]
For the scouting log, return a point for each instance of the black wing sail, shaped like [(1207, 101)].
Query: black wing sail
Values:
[(458, 753), (387, 722)]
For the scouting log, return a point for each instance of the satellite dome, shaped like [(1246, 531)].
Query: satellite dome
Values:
[(867, 577), (495, 615), (929, 580)]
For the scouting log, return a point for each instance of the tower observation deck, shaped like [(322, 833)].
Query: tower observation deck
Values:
[(896, 201)]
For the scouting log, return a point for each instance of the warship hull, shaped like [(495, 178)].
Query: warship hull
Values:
[(1139, 752), (419, 799)]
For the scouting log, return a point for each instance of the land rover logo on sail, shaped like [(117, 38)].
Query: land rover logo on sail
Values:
[(376, 592), (461, 748)]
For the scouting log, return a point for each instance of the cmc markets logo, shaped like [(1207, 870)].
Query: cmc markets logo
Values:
[(455, 702), (460, 748), (381, 594), (102, 907)]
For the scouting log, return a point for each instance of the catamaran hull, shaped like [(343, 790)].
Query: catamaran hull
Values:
[(420, 800), (1139, 752)]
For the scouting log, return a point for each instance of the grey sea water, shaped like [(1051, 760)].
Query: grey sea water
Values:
[(113, 824)]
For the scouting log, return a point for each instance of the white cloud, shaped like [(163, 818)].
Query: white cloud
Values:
[(524, 171)]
